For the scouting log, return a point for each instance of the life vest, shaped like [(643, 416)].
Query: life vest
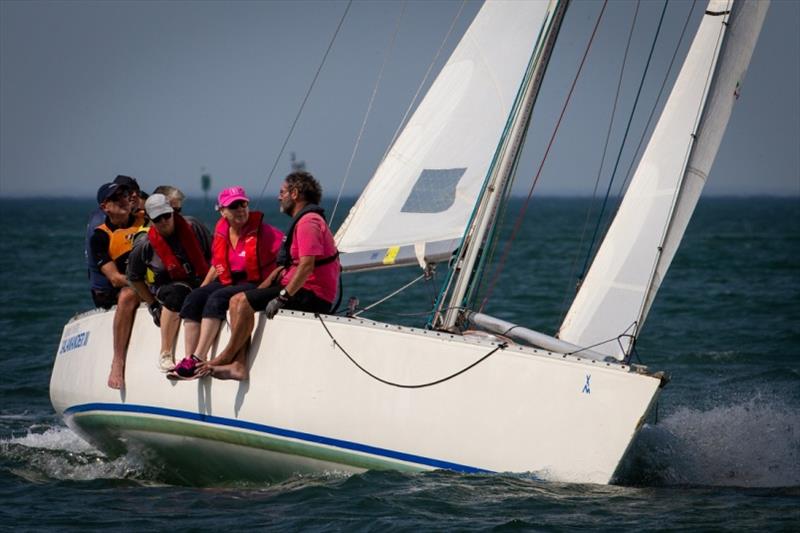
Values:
[(177, 271), (121, 239), (285, 258), (219, 249)]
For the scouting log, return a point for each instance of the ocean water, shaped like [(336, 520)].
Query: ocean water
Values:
[(723, 451)]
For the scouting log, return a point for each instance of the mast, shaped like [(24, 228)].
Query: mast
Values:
[(500, 173)]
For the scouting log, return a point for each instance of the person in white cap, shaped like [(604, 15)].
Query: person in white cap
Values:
[(176, 252)]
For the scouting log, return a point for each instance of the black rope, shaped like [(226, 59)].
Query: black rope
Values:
[(501, 346)]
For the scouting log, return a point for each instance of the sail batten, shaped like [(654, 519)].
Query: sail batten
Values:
[(666, 186)]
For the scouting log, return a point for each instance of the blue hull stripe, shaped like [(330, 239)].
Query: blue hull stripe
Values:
[(271, 430)]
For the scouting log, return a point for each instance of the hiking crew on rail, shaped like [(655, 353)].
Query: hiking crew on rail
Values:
[(166, 265), (306, 278)]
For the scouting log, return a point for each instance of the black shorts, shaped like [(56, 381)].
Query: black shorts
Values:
[(303, 300), (172, 295), (211, 301), (105, 299)]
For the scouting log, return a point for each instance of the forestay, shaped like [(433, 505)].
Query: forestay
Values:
[(419, 201), (641, 242)]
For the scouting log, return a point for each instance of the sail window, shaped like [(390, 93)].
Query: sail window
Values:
[(434, 191)]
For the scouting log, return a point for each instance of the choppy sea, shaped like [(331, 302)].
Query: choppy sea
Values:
[(723, 452)]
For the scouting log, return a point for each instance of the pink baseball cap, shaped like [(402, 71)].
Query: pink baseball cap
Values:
[(231, 194)]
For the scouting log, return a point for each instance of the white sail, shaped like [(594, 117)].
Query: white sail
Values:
[(421, 197), (641, 242)]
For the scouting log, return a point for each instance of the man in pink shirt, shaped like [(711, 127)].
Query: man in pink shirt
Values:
[(306, 278)]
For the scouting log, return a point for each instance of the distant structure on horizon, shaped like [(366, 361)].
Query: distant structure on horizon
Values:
[(205, 184), (297, 166)]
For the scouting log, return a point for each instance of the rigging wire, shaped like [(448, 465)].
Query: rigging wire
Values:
[(655, 104), (369, 109), (392, 294), (622, 145), (570, 291), (521, 215), (305, 99), (644, 306)]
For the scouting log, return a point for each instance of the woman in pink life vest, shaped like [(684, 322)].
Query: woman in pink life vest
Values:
[(243, 254)]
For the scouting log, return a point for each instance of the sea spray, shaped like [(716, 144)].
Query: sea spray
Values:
[(751, 443), (58, 454)]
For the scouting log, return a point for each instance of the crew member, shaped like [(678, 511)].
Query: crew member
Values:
[(177, 252), (110, 246), (306, 278)]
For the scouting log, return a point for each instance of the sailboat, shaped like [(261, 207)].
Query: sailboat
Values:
[(467, 392)]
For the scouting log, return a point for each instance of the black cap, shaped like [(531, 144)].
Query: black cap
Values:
[(106, 191), (128, 182)]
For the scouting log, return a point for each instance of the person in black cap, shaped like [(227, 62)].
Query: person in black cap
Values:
[(137, 195), (98, 283), (109, 247)]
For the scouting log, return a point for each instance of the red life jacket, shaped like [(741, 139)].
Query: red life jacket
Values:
[(219, 249), (190, 245)]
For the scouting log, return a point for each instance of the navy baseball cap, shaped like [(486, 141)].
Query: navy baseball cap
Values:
[(107, 190)]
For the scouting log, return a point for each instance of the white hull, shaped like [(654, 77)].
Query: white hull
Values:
[(307, 408)]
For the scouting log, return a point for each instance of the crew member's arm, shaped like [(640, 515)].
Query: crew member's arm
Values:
[(271, 278), (137, 269), (113, 274), (141, 289), (211, 276)]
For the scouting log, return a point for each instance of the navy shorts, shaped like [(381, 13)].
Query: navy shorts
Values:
[(105, 299)]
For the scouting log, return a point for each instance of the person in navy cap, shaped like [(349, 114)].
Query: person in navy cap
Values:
[(98, 283), (110, 245)]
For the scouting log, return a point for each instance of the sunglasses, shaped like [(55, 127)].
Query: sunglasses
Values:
[(162, 218), (238, 203)]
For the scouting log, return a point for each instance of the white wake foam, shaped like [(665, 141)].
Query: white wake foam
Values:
[(58, 453), (755, 443), (55, 438)]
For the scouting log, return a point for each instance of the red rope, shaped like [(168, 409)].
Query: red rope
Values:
[(521, 216)]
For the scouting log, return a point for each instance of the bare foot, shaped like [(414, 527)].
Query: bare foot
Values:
[(116, 379), (235, 370), (204, 368), (220, 359)]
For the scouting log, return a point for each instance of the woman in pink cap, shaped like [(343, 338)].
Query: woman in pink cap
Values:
[(243, 254)]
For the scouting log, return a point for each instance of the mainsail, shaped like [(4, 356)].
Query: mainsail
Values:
[(417, 205), (632, 261)]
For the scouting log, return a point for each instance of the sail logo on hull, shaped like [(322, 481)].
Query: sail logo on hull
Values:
[(74, 342), (587, 387)]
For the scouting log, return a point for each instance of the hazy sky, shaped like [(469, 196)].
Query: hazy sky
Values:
[(159, 90)]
